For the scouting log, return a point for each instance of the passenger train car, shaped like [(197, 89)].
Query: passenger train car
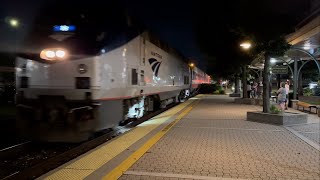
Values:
[(83, 73)]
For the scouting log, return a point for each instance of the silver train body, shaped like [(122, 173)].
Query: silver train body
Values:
[(69, 100)]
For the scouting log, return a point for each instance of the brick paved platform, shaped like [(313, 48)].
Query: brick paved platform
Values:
[(210, 139), (214, 141)]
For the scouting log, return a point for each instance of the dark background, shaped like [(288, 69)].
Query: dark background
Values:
[(198, 29)]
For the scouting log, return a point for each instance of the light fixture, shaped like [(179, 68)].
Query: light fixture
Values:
[(82, 68), (14, 22), (245, 45), (307, 46)]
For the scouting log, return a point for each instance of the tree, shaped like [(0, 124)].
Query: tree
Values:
[(219, 30), (272, 48)]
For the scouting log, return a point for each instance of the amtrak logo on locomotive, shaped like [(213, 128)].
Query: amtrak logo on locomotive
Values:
[(155, 65)]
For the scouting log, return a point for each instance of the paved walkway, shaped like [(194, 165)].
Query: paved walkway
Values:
[(214, 141)]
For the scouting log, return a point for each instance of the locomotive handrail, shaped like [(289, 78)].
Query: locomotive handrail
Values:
[(84, 107), (24, 106)]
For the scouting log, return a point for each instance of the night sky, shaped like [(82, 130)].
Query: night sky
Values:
[(173, 21)]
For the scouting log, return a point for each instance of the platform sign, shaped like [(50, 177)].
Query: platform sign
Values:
[(280, 70)]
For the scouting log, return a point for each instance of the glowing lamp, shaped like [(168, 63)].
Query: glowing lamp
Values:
[(245, 45)]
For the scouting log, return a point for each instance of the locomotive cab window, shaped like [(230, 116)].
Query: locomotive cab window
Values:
[(134, 77)]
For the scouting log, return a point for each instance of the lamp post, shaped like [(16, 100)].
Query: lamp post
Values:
[(191, 66), (246, 45)]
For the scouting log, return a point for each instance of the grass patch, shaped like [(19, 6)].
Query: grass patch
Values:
[(315, 103)]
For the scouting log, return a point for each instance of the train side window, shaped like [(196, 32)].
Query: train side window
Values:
[(143, 61), (142, 81), (24, 82), (134, 77), (186, 79)]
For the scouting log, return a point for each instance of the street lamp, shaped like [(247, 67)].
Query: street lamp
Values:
[(13, 22), (246, 45), (191, 66)]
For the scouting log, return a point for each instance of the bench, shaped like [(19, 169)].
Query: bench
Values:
[(307, 105)]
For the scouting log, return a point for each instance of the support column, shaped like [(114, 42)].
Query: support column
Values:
[(260, 75), (244, 82), (295, 78)]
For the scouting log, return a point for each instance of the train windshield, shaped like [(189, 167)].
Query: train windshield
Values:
[(81, 28)]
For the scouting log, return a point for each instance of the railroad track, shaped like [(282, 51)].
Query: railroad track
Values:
[(68, 152), (14, 149)]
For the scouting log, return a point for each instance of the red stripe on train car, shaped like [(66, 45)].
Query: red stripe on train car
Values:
[(125, 97)]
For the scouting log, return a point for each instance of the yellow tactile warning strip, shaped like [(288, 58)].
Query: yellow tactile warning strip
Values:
[(94, 159), (125, 165)]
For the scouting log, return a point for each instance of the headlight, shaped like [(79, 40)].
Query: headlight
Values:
[(50, 54), (60, 53), (53, 54)]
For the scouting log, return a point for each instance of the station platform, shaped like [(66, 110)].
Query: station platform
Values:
[(206, 137)]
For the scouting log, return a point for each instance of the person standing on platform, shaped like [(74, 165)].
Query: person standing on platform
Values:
[(282, 94), (254, 89), (287, 86)]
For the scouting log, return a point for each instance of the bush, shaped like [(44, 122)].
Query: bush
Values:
[(307, 92), (208, 88), (274, 109), (219, 90)]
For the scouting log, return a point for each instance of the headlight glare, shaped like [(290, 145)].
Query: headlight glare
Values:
[(52, 54), (60, 53)]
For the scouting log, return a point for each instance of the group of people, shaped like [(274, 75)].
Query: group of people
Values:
[(254, 90)]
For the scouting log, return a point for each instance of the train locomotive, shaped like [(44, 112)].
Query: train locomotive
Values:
[(83, 73)]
